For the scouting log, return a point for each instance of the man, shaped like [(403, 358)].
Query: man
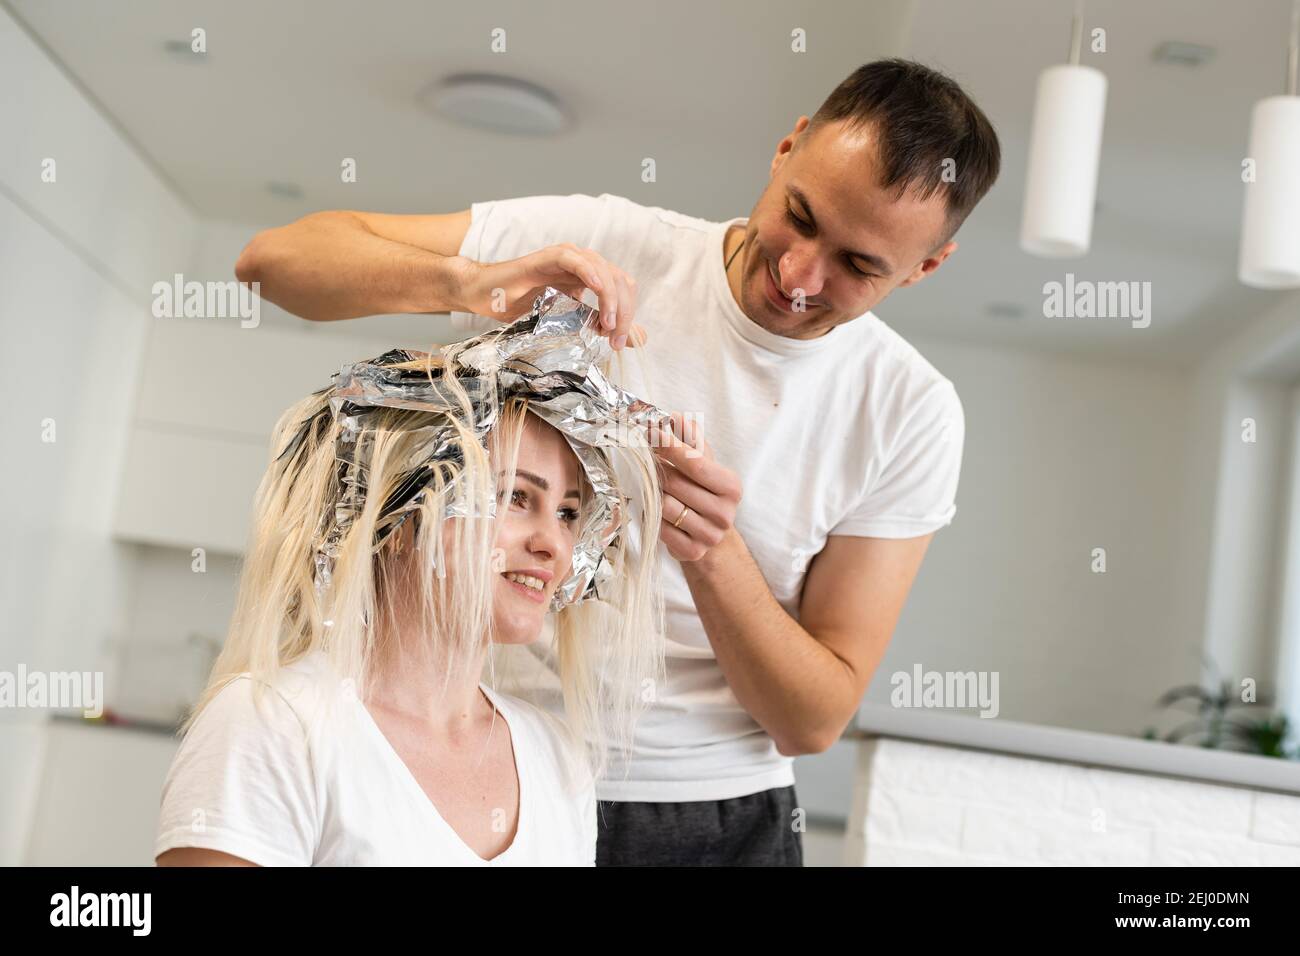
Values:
[(844, 441)]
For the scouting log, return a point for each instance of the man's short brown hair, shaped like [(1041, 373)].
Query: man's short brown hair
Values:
[(921, 118)]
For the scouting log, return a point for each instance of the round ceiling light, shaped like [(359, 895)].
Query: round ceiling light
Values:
[(497, 103)]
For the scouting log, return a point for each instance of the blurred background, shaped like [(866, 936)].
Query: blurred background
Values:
[(122, 538)]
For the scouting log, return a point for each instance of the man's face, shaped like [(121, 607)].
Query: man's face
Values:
[(825, 228)]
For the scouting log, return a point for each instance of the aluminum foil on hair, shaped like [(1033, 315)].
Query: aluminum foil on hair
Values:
[(551, 357)]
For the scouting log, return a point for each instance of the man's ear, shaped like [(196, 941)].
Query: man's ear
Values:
[(787, 145), (929, 264)]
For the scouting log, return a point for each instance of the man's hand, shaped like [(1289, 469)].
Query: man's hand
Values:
[(700, 496), (506, 290)]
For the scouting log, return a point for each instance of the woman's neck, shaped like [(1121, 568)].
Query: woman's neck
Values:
[(415, 677)]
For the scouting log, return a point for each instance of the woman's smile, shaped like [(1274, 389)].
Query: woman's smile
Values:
[(531, 585)]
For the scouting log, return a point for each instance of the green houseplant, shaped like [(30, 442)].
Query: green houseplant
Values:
[(1216, 721)]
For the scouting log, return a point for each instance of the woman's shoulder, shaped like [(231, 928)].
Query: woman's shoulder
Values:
[(244, 780), (288, 700)]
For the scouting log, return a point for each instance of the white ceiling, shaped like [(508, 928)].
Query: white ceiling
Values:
[(289, 88)]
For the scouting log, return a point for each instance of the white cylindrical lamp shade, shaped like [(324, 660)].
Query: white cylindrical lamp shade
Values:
[(1270, 221), (1064, 155)]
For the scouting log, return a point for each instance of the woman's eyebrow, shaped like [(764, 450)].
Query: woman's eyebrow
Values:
[(540, 482)]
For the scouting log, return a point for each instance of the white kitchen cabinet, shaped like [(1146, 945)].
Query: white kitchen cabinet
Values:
[(188, 490), (213, 376), (100, 794), (210, 394)]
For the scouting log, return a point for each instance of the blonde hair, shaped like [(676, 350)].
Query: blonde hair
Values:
[(606, 649)]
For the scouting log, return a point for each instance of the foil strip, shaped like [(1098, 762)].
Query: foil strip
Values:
[(552, 357)]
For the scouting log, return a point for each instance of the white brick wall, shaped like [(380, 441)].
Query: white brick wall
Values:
[(920, 804)]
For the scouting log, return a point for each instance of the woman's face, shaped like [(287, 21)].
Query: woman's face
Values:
[(537, 522)]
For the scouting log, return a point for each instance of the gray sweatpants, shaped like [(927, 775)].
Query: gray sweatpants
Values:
[(754, 830)]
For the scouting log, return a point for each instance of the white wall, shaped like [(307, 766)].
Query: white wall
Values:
[(1062, 456), (78, 257), (1288, 578), (1242, 599), (1249, 495)]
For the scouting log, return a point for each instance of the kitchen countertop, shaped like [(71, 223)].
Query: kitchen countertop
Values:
[(1077, 746), (134, 725)]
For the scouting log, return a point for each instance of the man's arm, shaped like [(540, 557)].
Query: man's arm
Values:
[(803, 680), (347, 264)]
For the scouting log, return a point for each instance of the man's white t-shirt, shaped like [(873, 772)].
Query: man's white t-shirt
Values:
[(294, 782), (853, 433)]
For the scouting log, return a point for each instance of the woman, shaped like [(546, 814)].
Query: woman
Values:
[(346, 722)]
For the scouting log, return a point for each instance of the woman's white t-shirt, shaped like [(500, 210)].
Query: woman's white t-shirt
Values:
[(288, 781)]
